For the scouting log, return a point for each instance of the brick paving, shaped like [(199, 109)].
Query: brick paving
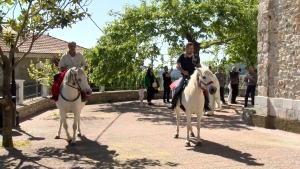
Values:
[(124, 135)]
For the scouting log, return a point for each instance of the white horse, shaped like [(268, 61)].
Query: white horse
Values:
[(215, 101), (192, 99), (74, 83)]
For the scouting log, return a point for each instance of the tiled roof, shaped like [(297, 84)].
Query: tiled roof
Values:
[(45, 44)]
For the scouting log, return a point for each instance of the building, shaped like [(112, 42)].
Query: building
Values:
[(278, 102), (46, 47)]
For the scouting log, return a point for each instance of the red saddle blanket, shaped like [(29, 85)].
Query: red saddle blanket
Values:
[(56, 85), (174, 84)]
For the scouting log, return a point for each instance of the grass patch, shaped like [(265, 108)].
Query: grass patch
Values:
[(19, 143), (56, 114)]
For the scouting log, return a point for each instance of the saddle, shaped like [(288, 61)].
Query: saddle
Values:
[(56, 85)]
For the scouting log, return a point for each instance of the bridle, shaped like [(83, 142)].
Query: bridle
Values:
[(72, 86), (205, 84)]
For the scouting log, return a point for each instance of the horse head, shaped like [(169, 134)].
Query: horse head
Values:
[(78, 78), (205, 80)]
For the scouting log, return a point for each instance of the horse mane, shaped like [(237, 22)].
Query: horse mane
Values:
[(193, 83)]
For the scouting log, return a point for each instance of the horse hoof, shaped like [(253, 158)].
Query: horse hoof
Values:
[(176, 136), (187, 145), (57, 137), (192, 135), (73, 144), (79, 134), (198, 144)]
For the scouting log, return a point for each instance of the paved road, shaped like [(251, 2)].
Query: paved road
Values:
[(123, 135)]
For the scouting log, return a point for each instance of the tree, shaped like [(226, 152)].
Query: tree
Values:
[(44, 73), (35, 18), (207, 24)]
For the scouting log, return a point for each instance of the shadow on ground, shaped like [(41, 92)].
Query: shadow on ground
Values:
[(160, 114), (85, 154), (225, 152), (18, 131)]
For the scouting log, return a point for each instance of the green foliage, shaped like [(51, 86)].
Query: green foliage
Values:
[(45, 72), (129, 38)]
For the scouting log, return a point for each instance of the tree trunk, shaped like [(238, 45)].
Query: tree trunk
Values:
[(197, 45), (7, 108)]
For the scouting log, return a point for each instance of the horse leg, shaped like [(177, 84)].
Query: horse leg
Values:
[(199, 116), (189, 125), (191, 131), (178, 120), (63, 116), (76, 114), (79, 130), (59, 129)]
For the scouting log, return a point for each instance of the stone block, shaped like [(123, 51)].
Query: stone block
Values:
[(278, 102), (281, 112), (290, 115), (296, 105), (247, 113), (297, 115), (272, 110), (263, 26), (261, 110), (287, 104)]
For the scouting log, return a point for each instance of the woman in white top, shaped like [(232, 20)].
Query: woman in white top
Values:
[(141, 94)]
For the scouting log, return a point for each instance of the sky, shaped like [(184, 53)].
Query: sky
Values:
[(85, 33)]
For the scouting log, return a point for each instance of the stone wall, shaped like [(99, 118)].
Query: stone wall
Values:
[(279, 59), (41, 104)]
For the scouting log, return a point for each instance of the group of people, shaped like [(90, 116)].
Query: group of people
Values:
[(186, 64), (233, 84)]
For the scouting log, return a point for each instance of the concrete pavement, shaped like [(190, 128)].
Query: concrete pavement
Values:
[(124, 135)]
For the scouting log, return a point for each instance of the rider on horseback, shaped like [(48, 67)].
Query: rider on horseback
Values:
[(69, 60), (186, 64)]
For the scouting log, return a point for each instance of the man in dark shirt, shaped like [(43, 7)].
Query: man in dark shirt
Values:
[(186, 64), (234, 82), (167, 82)]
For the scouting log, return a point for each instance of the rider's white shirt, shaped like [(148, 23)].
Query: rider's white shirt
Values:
[(67, 61)]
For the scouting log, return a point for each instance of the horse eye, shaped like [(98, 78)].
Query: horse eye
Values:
[(203, 77), (79, 80)]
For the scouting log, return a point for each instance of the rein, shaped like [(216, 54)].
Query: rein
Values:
[(78, 89), (205, 84)]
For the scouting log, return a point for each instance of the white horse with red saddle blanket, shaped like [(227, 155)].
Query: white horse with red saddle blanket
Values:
[(192, 99), (74, 84)]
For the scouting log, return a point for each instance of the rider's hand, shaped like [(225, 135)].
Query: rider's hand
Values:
[(186, 73)]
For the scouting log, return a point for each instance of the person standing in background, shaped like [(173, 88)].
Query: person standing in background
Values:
[(222, 80), (141, 94), (167, 82), (251, 80), (149, 80), (234, 81)]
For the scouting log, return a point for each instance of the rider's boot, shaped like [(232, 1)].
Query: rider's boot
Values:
[(206, 103), (173, 102), (53, 97)]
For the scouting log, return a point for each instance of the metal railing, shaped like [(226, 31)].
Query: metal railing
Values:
[(32, 91)]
